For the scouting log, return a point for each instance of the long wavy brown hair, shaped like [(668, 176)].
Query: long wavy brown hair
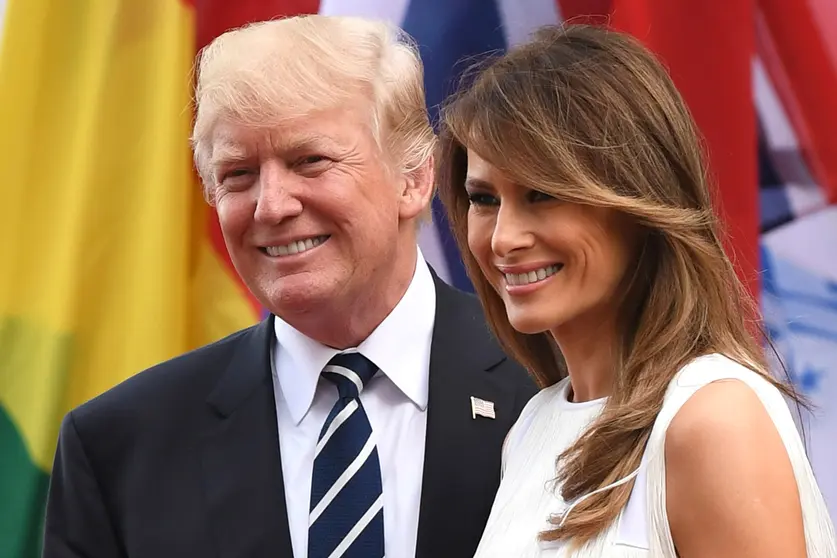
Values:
[(589, 116)]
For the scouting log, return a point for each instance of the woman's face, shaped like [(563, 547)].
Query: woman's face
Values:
[(553, 263)]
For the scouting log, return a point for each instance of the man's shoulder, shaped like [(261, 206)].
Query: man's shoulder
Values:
[(459, 314), (170, 385), (462, 305)]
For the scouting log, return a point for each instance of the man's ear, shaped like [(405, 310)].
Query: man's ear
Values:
[(418, 190), (209, 195)]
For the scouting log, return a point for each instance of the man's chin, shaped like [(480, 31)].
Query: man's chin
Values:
[(296, 301)]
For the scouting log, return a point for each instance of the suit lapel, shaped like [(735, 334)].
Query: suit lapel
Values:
[(458, 447), (242, 473)]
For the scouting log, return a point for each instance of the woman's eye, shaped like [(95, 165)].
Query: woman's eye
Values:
[(481, 199), (537, 196)]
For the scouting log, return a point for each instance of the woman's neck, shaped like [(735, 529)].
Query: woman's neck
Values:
[(590, 354)]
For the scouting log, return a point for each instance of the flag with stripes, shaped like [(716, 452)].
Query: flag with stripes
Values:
[(482, 408)]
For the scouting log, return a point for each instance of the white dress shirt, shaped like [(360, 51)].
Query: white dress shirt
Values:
[(395, 401)]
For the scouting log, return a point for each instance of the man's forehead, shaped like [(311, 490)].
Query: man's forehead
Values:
[(231, 138)]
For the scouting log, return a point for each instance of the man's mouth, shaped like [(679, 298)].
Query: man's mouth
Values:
[(295, 247)]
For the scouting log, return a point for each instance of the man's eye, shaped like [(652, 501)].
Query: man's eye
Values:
[(237, 179), (312, 160)]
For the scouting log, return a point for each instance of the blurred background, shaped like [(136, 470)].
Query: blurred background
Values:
[(111, 261)]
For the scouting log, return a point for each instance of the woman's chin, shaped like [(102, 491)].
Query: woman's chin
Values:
[(528, 326)]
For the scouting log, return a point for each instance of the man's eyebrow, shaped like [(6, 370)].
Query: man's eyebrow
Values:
[(305, 141), (229, 152), (226, 154)]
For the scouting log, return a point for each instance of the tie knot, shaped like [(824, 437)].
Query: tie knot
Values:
[(349, 372)]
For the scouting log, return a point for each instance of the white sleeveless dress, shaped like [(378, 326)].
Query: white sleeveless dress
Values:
[(550, 423)]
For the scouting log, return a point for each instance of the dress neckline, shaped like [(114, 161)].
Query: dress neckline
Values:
[(565, 403)]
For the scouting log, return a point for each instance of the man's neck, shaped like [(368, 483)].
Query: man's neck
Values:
[(347, 323)]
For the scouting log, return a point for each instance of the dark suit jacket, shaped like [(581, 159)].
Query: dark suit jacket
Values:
[(183, 459)]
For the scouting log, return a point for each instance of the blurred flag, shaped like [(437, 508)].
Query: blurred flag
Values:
[(107, 264), (794, 84), (112, 262)]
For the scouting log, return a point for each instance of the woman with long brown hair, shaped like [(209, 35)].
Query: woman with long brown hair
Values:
[(574, 182)]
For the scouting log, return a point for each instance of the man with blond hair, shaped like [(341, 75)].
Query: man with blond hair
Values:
[(365, 416)]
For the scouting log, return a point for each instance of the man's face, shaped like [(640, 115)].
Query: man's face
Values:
[(310, 213)]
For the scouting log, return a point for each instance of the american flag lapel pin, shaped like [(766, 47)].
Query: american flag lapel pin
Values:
[(481, 407)]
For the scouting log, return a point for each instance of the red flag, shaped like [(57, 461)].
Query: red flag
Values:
[(214, 17), (812, 72)]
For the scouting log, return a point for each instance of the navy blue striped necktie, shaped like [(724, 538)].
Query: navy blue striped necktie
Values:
[(347, 509)]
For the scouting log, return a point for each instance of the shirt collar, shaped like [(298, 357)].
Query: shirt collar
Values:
[(399, 346)]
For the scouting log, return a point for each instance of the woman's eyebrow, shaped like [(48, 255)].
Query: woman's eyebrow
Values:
[(473, 183)]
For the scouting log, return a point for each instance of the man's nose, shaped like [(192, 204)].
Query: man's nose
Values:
[(277, 195)]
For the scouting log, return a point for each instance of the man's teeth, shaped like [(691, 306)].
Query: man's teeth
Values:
[(516, 279), (295, 247)]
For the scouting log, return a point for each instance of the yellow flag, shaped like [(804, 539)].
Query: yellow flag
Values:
[(106, 268)]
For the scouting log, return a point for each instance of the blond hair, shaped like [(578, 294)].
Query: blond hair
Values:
[(589, 116), (265, 72)]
